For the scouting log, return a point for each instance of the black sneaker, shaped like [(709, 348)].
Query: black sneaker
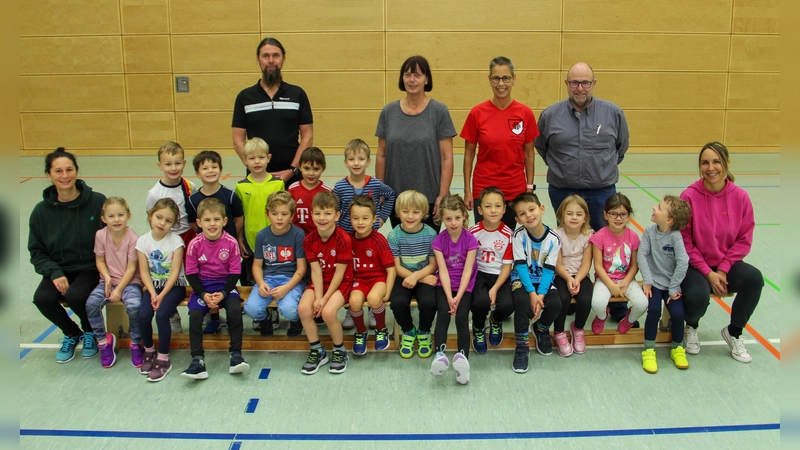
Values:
[(295, 329), (316, 358), (266, 330), (521, 358), (238, 364), (543, 343), (196, 370), (339, 361)]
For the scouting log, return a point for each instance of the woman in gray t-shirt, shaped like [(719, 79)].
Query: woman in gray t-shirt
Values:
[(415, 139)]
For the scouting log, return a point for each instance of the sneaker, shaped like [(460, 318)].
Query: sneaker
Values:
[(238, 364), (348, 323), (266, 330), (360, 344), (212, 326), (372, 322), (521, 353), (461, 366), (108, 354), (576, 339), (67, 350), (89, 349), (495, 333), (381, 339), (439, 364), (295, 329), (137, 355), (479, 342), (407, 344), (564, 347), (424, 345), (196, 370), (543, 343), (148, 359), (338, 361), (316, 358), (690, 341), (256, 325), (625, 325), (175, 323), (598, 325), (160, 370), (678, 355), (736, 345), (320, 321), (649, 363)]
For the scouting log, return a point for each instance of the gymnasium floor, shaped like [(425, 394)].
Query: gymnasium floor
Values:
[(602, 399)]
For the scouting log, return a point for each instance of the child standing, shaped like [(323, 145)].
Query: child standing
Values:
[(253, 192), (495, 260), (373, 265), (312, 164), (160, 255), (279, 267), (415, 264), (213, 266), (663, 262), (536, 249), (574, 262), (614, 254), (330, 255), (455, 249), (115, 250)]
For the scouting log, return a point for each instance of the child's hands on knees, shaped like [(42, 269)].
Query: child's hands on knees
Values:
[(279, 292), (263, 289), (410, 281), (492, 296), (574, 286), (430, 280), (107, 284), (116, 295), (648, 290), (537, 304), (674, 296)]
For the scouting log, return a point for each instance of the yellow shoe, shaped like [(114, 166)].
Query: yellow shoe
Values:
[(649, 363), (678, 355)]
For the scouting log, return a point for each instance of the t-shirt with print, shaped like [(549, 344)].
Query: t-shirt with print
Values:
[(371, 256), (455, 257), (413, 249), (180, 193), (338, 249), (538, 255), (117, 256), (494, 247), (232, 202), (303, 198), (572, 250), (159, 257), (617, 251), (280, 253), (213, 260)]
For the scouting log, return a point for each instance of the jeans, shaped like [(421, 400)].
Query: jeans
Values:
[(47, 298), (675, 308), (743, 279), (256, 305), (131, 297), (168, 306), (595, 198)]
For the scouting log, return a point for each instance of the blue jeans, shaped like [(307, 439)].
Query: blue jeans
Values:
[(595, 198), (131, 297), (256, 305), (675, 308)]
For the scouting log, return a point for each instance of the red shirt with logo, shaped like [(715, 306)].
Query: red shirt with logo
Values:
[(371, 256), (494, 247), (303, 197), (338, 249)]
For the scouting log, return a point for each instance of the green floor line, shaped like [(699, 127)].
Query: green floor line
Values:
[(774, 286), (768, 224), (640, 187)]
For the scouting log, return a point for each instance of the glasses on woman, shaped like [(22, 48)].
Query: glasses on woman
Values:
[(505, 79), (585, 83), (618, 215)]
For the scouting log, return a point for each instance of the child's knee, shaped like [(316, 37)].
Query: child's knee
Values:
[(329, 315)]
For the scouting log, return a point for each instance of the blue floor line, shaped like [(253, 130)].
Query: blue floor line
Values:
[(41, 338), (399, 437)]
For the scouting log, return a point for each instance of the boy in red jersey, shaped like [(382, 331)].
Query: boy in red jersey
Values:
[(312, 164)]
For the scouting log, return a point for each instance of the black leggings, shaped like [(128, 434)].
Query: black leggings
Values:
[(675, 308), (167, 307), (443, 320), (743, 279), (582, 307), (481, 304), (523, 313), (233, 313), (47, 298), (401, 305)]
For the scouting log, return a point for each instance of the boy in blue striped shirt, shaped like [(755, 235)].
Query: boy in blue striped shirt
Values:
[(357, 159)]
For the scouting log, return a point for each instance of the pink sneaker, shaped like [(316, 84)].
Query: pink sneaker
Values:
[(108, 355), (625, 325), (578, 343), (598, 325), (137, 355), (564, 347)]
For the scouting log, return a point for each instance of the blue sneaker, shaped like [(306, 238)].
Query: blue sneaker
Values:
[(213, 326), (381, 339), (90, 349), (495, 333), (479, 341), (359, 344), (67, 350)]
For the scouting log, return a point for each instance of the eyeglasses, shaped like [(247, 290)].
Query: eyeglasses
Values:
[(506, 79), (585, 83), (616, 215), (408, 75)]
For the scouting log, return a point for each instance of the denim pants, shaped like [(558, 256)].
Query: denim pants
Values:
[(595, 198), (256, 305), (131, 297)]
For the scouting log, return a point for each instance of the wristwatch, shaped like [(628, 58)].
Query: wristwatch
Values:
[(295, 170), (531, 186)]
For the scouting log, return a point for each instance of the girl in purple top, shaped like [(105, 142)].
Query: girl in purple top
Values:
[(455, 249)]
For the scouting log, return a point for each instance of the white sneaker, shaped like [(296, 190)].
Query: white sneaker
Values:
[(348, 323), (461, 366), (690, 341), (736, 345), (175, 323), (439, 364), (372, 322), (256, 324)]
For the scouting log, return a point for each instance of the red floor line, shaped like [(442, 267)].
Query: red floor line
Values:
[(775, 352), (27, 179)]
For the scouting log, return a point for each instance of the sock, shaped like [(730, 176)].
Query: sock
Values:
[(149, 349), (651, 345), (317, 346), (735, 331), (522, 338), (105, 340), (380, 317), (339, 347), (542, 328), (674, 344), (163, 357), (358, 319), (693, 325)]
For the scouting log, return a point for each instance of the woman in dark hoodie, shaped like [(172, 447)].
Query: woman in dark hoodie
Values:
[(61, 244)]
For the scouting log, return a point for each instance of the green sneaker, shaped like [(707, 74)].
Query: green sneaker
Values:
[(424, 345), (407, 344)]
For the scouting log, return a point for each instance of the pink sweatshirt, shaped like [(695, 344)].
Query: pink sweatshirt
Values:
[(720, 231)]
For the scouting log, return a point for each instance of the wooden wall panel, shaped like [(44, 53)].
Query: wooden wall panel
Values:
[(213, 16), (755, 53), (147, 54), (662, 90), (150, 92), (204, 129), (756, 16), (58, 17), (686, 16), (754, 90), (151, 129), (341, 90), (473, 15), (76, 130), (280, 16), (70, 55), (674, 128), (329, 51), (144, 16), (337, 128), (753, 128), (213, 91), (72, 93), (214, 53)]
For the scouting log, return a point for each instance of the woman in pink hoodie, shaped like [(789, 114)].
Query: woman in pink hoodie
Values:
[(718, 237)]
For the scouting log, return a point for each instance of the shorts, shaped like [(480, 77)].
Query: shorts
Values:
[(365, 285), (196, 302), (344, 289)]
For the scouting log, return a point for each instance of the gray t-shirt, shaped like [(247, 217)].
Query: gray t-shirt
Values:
[(662, 259), (413, 160), (280, 253)]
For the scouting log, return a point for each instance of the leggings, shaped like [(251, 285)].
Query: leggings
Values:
[(401, 305), (481, 304), (675, 308), (443, 320), (168, 306), (47, 298), (601, 295), (743, 279), (523, 312), (583, 303)]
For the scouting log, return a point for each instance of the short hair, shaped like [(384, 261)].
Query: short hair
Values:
[(211, 205), (364, 201), (280, 198), (412, 199), (525, 197), (616, 200), (355, 145), (60, 152), (501, 61), (490, 190), (313, 155), (325, 200), (413, 63), (578, 200), (165, 203), (254, 145), (114, 200), (679, 212), (270, 41), (206, 155), (724, 158), (452, 202), (170, 148)]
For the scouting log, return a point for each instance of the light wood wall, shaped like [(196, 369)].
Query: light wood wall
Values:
[(97, 76)]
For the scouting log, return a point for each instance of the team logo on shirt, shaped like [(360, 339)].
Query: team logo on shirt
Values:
[(285, 253), (369, 252), (516, 126), (224, 254), (269, 252), (333, 252), (498, 245)]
